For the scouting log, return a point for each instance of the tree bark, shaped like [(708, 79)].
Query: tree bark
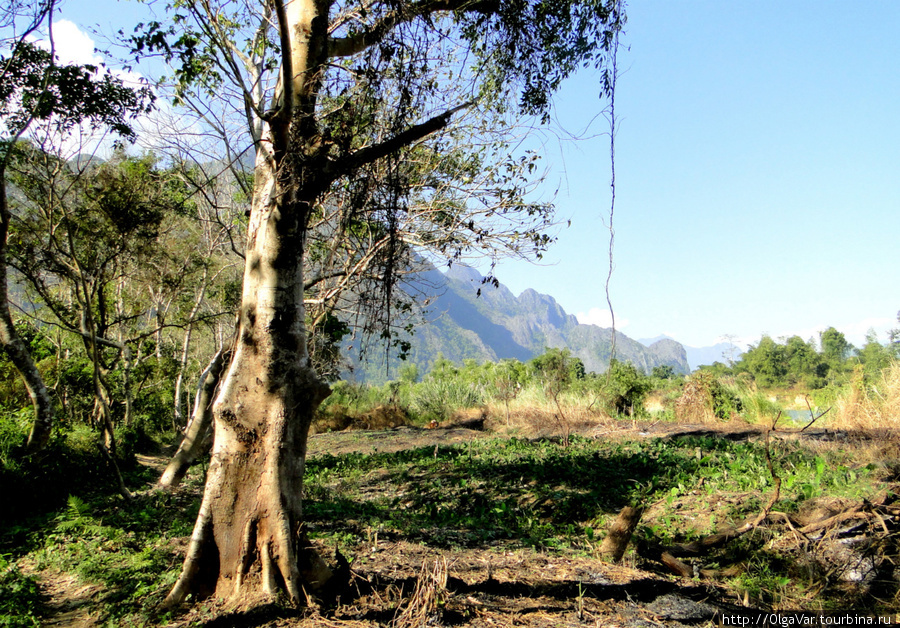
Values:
[(185, 351), (15, 347), (619, 534), (199, 429), (248, 542)]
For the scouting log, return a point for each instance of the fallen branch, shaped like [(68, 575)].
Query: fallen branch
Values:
[(856, 512), (704, 545)]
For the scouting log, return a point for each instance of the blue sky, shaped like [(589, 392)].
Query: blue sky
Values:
[(758, 171), (758, 155)]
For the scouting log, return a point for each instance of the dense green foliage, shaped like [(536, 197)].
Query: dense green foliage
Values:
[(19, 597), (809, 365), (555, 377)]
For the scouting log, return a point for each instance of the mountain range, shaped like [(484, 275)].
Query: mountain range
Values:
[(468, 318), (723, 352)]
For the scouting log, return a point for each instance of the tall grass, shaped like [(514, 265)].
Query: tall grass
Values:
[(871, 404)]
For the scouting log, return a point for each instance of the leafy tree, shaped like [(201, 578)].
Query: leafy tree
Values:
[(874, 356), (894, 339), (409, 374), (556, 369), (717, 369), (36, 91), (508, 378), (663, 371), (321, 128), (804, 364), (767, 362), (835, 348), (625, 386), (81, 238)]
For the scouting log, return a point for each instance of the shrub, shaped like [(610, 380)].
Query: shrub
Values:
[(626, 387), (439, 395), (705, 400), (19, 597), (71, 463)]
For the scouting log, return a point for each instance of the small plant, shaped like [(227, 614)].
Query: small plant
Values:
[(508, 378), (19, 597), (557, 369)]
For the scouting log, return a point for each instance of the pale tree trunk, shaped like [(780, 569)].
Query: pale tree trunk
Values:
[(16, 349), (127, 362), (248, 543), (199, 429), (185, 352)]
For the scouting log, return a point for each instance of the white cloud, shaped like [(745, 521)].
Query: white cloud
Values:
[(856, 332), (71, 44), (601, 318)]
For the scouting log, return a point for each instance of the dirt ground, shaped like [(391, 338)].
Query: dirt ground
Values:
[(495, 586)]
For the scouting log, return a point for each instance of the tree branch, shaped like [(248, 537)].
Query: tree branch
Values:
[(287, 65), (354, 44), (401, 140)]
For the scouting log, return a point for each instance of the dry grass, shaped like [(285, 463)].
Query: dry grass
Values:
[(338, 418), (872, 406), (429, 597), (695, 406), (535, 416)]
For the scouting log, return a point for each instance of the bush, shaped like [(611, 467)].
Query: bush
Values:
[(705, 400), (71, 463), (439, 395), (626, 388), (19, 597)]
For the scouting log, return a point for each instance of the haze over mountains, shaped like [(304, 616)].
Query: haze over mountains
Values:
[(468, 319), (723, 352)]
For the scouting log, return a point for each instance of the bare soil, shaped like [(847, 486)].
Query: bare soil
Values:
[(69, 602), (494, 586)]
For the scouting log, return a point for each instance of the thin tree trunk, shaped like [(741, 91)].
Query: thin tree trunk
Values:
[(102, 411), (199, 429), (16, 349), (185, 352), (127, 362)]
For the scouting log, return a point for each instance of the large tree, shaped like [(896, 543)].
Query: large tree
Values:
[(361, 88)]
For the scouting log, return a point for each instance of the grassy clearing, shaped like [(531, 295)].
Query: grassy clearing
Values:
[(513, 494), (541, 495)]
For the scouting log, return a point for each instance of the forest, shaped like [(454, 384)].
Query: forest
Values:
[(185, 262)]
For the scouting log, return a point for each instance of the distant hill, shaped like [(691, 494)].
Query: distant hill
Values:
[(700, 356), (469, 319)]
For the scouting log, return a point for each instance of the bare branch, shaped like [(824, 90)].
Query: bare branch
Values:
[(401, 140), (354, 44)]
